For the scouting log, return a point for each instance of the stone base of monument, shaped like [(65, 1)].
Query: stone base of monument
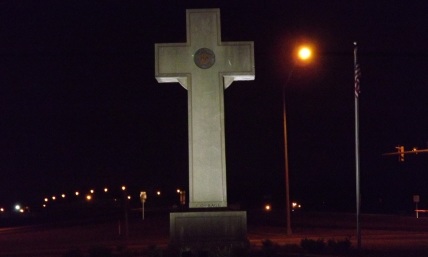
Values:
[(205, 230)]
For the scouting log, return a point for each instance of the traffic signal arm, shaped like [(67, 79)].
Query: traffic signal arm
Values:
[(400, 152), (408, 152)]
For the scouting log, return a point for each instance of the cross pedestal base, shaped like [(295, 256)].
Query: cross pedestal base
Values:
[(207, 230)]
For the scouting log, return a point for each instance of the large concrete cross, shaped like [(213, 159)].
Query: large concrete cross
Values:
[(205, 66)]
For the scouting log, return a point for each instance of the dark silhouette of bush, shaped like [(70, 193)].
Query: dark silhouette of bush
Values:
[(269, 248), (313, 246), (339, 247)]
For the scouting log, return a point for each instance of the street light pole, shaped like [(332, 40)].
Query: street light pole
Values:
[(287, 181), (304, 54)]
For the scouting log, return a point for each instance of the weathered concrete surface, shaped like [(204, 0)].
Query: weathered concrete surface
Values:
[(205, 229)]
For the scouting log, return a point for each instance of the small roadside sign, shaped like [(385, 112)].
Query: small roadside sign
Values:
[(416, 198)]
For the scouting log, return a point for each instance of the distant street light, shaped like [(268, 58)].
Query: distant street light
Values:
[(304, 54), (125, 209), (143, 198)]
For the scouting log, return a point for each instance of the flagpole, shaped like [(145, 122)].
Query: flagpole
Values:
[(357, 150)]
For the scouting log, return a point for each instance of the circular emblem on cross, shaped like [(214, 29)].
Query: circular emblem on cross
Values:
[(204, 58)]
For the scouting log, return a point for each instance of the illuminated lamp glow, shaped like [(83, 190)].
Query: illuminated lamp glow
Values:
[(305, 53)]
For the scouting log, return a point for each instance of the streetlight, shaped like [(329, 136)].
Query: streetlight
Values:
[(304, 54), (143, 198), (125, 209)]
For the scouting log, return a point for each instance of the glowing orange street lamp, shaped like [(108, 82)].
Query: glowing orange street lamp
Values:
[(304, 53)]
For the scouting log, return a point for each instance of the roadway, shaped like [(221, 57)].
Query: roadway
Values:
[(390, 233)]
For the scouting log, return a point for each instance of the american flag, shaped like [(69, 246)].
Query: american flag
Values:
[(357, 75)]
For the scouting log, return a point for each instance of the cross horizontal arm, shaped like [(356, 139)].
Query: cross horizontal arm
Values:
[(170, 62)]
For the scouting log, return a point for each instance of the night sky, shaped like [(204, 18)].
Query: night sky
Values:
[(80, 107)]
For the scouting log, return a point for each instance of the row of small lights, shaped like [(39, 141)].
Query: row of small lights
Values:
[(294, 206), (88, 197), (77, 193), (17, 208)]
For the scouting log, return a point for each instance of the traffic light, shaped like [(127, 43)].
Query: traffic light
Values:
[(400, 150)]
